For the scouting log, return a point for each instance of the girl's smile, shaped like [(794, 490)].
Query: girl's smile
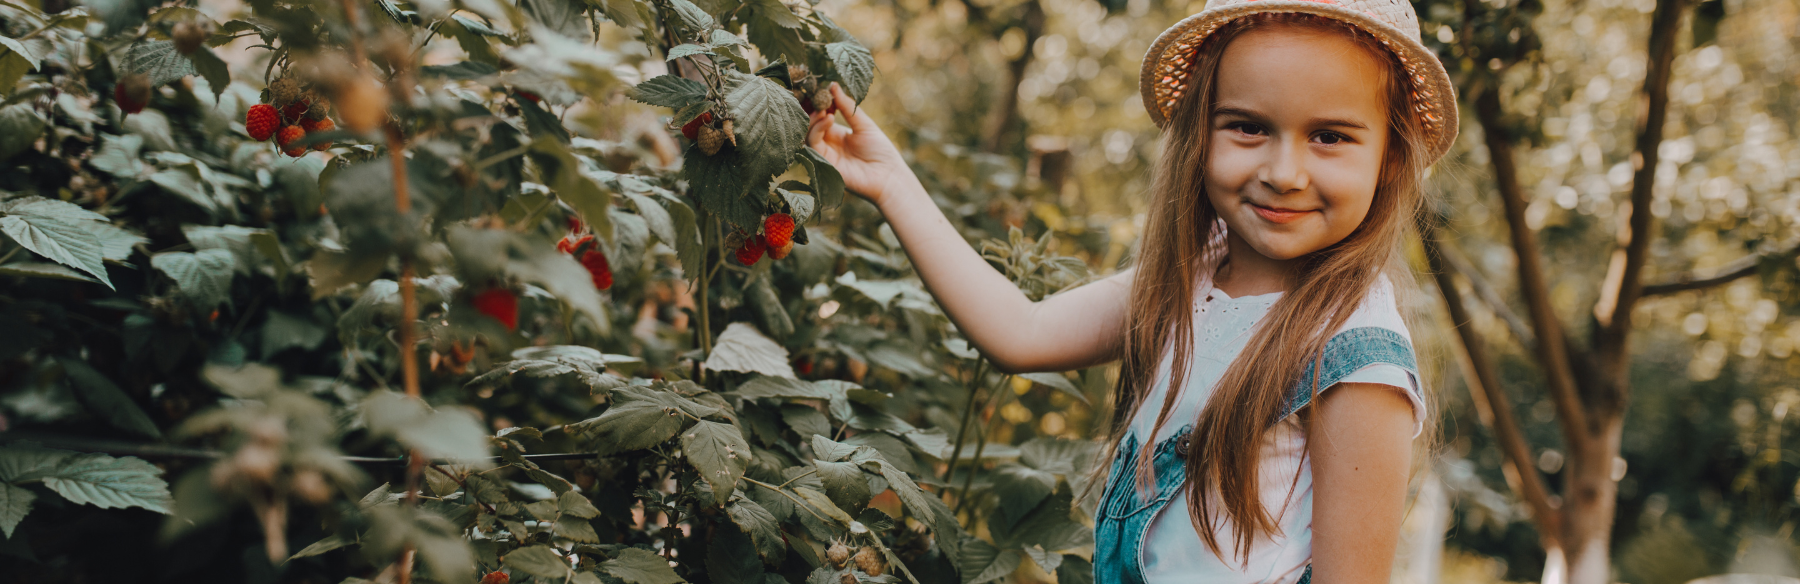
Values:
[(1298, 134)]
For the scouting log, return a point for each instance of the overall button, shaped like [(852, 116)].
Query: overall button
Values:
[(1181, 445)]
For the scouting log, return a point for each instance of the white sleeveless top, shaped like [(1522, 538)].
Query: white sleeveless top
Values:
[(1172, 551)]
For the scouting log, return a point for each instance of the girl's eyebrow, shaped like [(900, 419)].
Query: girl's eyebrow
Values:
[(1238, 112)]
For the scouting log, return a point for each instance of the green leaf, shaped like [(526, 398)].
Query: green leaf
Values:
[(928, 510), (669, 91), (20, 123), (775, 41), (719, 452), (106, 400), (776, 12), (656, 218), (762, 527), (1019, 489), (831, 450), (742, 348), (638, 419), (722, 37), (24, 461), (854, 67), (627, 13), (805, 420), (638, 566), (109, 483), (485, 254), (1074, 570), (782, 387), (159, 60), (845, 484), (183, 182), (576, 504), (1057, 455), (566, 17), (58, 240), (33, 269), (800, 205), (450, 433), (204, 277), (15, 503), (587, 365), (770, 126), (577, 529), (285, 331), (328, 543), (718, 182), (212, 69), (1057, 382), (15, 61), (732, 558), (982, 562), (562, 173), (692, 16), (538, 560), (687, 50)]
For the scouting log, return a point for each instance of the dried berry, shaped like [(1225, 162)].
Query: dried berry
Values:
[(711, 140), (287, 136), (318, 125), (284, 90), (261, 122), (500, 304), (692, 129), (870, 561), (838, 553), (778, 229), (751, 251), (295, 111), (821, 101), (847, 578), (133, 93), (729, 133), (596, 265), (188, 36)]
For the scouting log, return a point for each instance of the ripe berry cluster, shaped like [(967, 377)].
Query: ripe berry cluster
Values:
[(293, 112), (777, 238)]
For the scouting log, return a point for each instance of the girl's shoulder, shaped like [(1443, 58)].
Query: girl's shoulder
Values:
[(1379, 309)]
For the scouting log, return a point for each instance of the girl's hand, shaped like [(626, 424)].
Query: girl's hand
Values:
[(870, 164)]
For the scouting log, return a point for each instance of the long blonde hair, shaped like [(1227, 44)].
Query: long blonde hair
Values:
[(1180, 249)]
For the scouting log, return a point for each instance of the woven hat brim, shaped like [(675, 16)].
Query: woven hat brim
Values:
[(1431, 84)]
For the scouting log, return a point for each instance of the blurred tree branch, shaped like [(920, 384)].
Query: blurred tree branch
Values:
[(1031, 21), (1744, 266), (1491, 402), (1454, 261)]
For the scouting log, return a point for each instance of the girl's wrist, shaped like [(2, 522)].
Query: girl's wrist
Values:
[(902, 189)]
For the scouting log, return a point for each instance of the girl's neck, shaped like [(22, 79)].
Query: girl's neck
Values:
[(1246, 272)]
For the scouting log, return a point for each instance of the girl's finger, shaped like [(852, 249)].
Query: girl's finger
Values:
[(859, 119), (815, 133)]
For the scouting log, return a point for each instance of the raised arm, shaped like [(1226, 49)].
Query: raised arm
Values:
[(1071, 330)]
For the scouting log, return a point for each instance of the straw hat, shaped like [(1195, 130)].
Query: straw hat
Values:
[(1169, 62)]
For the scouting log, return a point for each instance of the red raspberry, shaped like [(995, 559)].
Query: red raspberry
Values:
[(133, 93), (596, 265), (496, 578), (692, 128), (752, 250), (574, 222), (776, 253), (500, 304), (778, 229), (296, 110), (261, 121), (572, 243), (287, 136), (318, 125)]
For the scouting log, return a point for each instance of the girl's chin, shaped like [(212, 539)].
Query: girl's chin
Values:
[(1279, 249)]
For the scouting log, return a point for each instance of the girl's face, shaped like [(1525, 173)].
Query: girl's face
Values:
[(1298, 137)]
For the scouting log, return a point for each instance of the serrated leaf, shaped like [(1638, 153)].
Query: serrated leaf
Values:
[(638, 419), (722, 37), (686, 50), (770, 126), (781, 387), (15, 503), (692, 16), (732, 558), (576, 528), (844, 484), (106, 400), (1019, 488), (209, 67), (538, 560), (669, 91), (982, 562), (800, 205), (328, 543), (1074, 570), (110, 483), (805, 420), (587, 365), (638, 566), (720, 185), (656, 218), (719, 452), (204, 277), (488, 253), (776, 13), (32, 269), (854, 67), (562, 172), (58, 240), (159, 60), (576, 504), (1057, 455), (742, 348), (762, 527), (928, 510), (23, 461)]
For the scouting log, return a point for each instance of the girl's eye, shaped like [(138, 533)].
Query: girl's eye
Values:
[(1331, 138), (1246, 128)]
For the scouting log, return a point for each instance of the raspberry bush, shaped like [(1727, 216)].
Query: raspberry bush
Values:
[(329, 314)]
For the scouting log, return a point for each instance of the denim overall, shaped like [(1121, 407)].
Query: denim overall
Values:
[(1124, 517)]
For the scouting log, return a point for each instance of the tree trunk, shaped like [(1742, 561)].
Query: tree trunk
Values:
[(1591, 502), (1031, 21)]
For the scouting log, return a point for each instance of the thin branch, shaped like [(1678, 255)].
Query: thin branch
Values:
[(1742, 267), (1552, 347), (1491, 403), (1490, 296)]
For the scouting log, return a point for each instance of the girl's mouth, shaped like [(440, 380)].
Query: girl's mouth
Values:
[(1279, 215)]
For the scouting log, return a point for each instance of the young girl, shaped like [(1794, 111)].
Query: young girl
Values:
[(1295, 137)]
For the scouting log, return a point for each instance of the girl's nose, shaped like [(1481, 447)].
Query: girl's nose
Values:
[(1285, 170)]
